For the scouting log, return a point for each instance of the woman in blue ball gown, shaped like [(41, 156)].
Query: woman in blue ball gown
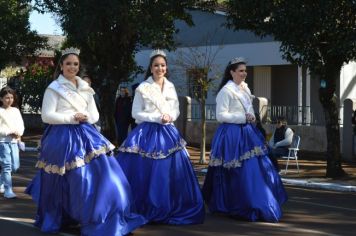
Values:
[(79, 182), (241, 180), (154, 157)]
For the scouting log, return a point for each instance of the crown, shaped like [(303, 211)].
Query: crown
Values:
[(157, 52), (237, 60), (70, 50)]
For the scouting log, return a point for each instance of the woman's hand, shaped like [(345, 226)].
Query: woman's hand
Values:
[(80, 117), (250, 118), (166, 118), (15, 135)]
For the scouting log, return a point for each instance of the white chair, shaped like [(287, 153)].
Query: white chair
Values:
[(293, 152)]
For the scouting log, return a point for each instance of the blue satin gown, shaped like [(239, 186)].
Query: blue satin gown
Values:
[(241, 180), (163, 182), (79, 182)]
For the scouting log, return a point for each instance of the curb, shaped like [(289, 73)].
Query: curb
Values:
[(319, 185), (306, 183)]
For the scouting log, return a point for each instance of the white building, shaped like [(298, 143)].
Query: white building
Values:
[(289, 89)]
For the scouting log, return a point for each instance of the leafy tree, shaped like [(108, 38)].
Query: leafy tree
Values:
[(318, 34), (36, 78), (110, 32), (16, 38), (10, 71)]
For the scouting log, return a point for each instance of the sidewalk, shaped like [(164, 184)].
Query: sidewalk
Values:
[(311, 175), (312, 169)]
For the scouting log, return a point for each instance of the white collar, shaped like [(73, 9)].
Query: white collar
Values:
[(166, 82), (243, 86), (82, 85)]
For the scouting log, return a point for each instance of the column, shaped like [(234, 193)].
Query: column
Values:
[(300, 96)]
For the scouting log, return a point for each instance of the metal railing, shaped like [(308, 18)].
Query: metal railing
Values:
[(294, 114), (303, 115), (210, 112)]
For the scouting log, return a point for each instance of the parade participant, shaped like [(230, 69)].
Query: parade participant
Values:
[(241, 180), (154, 157), (79, 182), (11, 130)]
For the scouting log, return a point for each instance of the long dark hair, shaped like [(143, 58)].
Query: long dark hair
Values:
[(7, 90), (58, 70), (227, 74), (148, 71)]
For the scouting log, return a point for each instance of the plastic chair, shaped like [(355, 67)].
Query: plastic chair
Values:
[(293, 152)]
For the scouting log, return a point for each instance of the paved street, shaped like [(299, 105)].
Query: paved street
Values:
[(308, 212)]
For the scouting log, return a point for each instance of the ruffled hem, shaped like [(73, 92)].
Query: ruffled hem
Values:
[(153, 140), (235, 143), (154, 155), (255, 152), (76, 163)]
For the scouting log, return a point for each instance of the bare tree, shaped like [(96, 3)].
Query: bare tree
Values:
[(199, 65)]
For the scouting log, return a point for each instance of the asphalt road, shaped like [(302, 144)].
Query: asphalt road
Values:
[(307, 212)]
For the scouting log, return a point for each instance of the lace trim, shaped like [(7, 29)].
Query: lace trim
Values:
[(154, 155), (78, 162), (256, 151)]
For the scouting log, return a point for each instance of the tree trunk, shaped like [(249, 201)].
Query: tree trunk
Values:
[(107, 109), (329, 101), (203, 132)]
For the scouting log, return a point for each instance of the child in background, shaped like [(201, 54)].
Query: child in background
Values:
[(11, 129)]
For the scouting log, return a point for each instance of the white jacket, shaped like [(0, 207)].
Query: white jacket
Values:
[(10, 122), (232, 103), (62, 100), (150, 103)]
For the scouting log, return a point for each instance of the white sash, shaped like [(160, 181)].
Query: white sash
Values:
[(155, 96), (74, 98)]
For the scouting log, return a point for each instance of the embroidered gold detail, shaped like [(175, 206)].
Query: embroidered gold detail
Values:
[(78, 162), (154, 155), (256, 151)]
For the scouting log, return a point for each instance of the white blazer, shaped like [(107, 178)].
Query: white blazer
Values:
[(59, 107), (150, 103), (10, 122), (232, 103)]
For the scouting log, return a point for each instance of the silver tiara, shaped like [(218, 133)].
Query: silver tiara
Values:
[(237, 60), (158, 52), (71, 50)]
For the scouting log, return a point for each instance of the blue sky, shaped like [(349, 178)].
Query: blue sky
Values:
[(44, 24)]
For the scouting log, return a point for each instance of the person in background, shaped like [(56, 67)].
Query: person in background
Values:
[(11, 130), (123, 118), (154, 157), (87, 78), (15, 84), (241, 180), (280, 141), (78, 182), (133, 89)]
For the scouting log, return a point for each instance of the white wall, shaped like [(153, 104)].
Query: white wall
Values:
[(256, 54), (348, 81), (347, 84)]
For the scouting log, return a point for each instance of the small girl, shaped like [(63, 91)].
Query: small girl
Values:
[(11, 129)]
